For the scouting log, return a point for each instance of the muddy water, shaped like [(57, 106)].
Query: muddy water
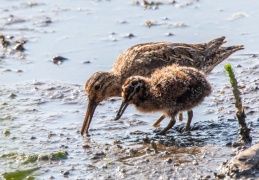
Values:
[(42, 104)]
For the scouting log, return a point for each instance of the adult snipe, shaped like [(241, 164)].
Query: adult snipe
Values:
[(143, 59), (170, 89)]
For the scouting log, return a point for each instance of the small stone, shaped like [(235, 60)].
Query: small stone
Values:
[(176, 164), (98, 156), (194, 162), (123, 22), (219, 176), (146, 139), (166, 153), (206, 177), (63, 146), (229, 144), (51, 177), (86, 62), (50, 134), (19, 46), (149, 23), (117, 142), (169, 34), (130, 35), (133, 151), (12, 95), (122, 170), (66, 173), (104, 166), (169, 161), (6, 133), (33, 137), (119, 146), (59, 59), (225, 162), (86, 146)]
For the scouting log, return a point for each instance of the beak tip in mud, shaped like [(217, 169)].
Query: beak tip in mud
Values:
[(117, 117)]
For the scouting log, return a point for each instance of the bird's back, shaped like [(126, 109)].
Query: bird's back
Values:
[(185, 86), (143, 59)]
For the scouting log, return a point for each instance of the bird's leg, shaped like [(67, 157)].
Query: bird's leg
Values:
[(157, 122), (180, 116), (169, 126), (190, 115)]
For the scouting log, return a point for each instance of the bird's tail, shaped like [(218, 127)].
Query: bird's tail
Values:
[(231, 49), (224, 52), (220, 55), (215, 43)]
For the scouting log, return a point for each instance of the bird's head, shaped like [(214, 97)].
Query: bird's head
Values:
[(100, 86), (133, 91)]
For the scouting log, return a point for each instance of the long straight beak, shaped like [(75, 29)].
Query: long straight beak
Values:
[(88, 116), (123, 107)]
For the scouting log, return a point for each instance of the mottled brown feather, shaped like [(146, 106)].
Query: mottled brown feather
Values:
[(144, 59), (170, 90)]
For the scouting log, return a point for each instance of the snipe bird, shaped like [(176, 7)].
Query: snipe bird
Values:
[(171, 89), (144, 59)]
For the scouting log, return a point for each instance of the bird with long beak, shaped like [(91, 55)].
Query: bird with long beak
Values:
[(170, 90), (144, 59)]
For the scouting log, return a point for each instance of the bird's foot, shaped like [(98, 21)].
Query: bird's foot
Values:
[(163, 132)]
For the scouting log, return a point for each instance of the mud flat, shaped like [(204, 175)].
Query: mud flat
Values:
[(51, 48)]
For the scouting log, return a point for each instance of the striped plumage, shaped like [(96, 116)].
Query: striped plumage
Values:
[(144, 59), (170, 90)]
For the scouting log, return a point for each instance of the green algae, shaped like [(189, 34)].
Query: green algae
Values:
[(59, 155), (10, 155), (53, 156), (19, 174), (6, 117), (30, 159)]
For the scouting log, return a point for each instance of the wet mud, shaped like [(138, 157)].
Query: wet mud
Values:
[(46, 58), (46, 116)]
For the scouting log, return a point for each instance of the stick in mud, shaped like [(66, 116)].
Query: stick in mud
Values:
[(244, 131)]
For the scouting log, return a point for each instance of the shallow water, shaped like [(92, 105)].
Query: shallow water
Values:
[(48, 110)]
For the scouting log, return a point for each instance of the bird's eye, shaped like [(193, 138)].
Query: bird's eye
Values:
[(97, 87)]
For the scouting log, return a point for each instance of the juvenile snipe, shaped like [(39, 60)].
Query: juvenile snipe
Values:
[(171, 89), (143, 59)]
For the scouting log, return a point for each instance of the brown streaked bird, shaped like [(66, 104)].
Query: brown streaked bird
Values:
[(143, 59), (171, 89)]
